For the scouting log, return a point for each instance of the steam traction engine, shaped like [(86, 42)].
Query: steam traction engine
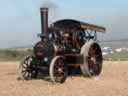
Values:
[(65, 45)]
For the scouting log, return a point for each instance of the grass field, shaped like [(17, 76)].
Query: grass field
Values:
[(117, 56), (14, 55)]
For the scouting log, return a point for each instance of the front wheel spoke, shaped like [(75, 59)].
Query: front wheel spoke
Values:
[(24, 66), (23, 71), (29, 61), (24, 75), (26, 62), (28, 75)]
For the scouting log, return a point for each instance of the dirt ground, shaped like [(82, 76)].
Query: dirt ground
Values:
[(113, 81)]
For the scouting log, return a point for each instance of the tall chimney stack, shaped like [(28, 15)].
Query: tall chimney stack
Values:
[(44, 19)]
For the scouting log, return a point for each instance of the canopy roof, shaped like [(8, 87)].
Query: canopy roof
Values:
[(69, 23)]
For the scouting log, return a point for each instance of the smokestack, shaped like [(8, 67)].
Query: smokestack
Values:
[(44, 19)]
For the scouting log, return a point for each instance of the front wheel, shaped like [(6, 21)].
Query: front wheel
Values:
[(58, 70), (27, 69)]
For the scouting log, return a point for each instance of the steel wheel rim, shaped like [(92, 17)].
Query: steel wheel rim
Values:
[(94, 60), (27, 70)]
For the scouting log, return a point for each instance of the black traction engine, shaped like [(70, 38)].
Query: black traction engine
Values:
[(67, 46)]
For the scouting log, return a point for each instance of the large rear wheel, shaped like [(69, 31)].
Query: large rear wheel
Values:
[(92, 54), (58, 70)]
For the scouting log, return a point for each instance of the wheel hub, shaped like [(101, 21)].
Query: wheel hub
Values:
[(60, 70), (28, 69), (93, 59)]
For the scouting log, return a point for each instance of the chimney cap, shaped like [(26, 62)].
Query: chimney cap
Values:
[(44, 8)]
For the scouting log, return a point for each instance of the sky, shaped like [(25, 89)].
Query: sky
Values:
[(20, 19)]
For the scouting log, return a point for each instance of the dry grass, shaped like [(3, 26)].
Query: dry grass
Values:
[(112, 82)]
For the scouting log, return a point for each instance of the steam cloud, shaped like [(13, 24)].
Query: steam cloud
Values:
[(53, 10)]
